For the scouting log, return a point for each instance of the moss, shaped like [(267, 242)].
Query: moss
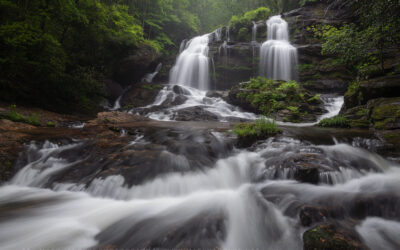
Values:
[(306, 67), (384, 124), (335, 122), (323, 237), (51, 124), (152, 86), (392, 137), (315, 99), (386, 111)]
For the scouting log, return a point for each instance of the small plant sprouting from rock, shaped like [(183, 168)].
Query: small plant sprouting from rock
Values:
[(334, 122), (261, 129), (14, 116)]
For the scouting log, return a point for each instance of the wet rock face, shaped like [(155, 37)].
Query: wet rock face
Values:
[(321, 73), (143, 153), (112, 89), (134, 67), (382, 87), (140, 95), (205, 231)]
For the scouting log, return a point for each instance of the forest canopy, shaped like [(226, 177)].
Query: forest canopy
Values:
[(54, 54)]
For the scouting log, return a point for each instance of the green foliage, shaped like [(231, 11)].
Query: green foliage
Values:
[(269, 96), (152, 86), (353, 88), (51, 124), (238, 23), (316, 98), (14, 116), (336, 122), (260, 128), (364, 47)]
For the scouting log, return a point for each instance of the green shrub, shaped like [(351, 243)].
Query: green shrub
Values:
[(14, 116), (260, 128), (245, 20), (334, 122), (33, 120), (51, 124)]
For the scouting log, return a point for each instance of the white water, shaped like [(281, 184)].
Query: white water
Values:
[(219, 107), (254, 32), (192, 65), (149, 77), (73, 216), (278, 58), (196, 98)]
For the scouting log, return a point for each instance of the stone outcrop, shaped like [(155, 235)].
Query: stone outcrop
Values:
[(140, 95)]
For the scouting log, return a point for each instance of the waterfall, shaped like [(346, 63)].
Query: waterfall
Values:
[(218, 34), (228, 36), (149, 77), (192, 66), (278, 58), (254, 37), (183, 46)]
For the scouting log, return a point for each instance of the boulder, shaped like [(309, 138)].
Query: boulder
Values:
[(113, 90), (331, 237), (134, 67), (140, 95), (385, 113), (195, 114), (115, 117)]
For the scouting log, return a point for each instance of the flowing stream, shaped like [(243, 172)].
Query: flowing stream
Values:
[(188, 186), (245, 200)]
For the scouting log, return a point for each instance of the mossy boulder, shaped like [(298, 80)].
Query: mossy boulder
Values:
[(331, 237), (358, 117), (385, 113), (285, 101), (360, 93)]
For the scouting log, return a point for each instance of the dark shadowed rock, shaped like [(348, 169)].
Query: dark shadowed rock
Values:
[(140, 95), (195, 114)]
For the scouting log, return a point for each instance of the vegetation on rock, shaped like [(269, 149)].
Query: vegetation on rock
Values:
[(334, 122), (275, 98), (261, 129)]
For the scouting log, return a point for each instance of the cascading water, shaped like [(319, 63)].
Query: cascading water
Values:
[(192, 66), (149, 77), (254, 32), (249, 200), (278, 58)]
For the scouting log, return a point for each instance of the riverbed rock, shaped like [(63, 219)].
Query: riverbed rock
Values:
[(331, 237), (115, 117), (197, 113), (310, 214)]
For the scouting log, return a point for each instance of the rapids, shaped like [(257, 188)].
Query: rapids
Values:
[(245, 200)]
